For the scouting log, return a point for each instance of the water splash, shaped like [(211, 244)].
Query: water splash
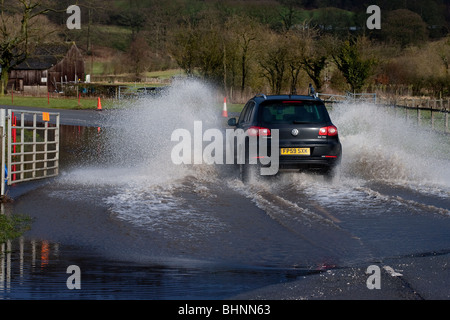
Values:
[(143, 186), (379, 145), (139, 134)]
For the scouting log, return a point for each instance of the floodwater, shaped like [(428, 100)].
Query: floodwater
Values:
[(140, 227)]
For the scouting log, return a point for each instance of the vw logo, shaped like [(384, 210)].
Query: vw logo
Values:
[(294, 132)]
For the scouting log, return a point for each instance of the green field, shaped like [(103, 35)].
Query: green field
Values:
[(235, 107), (72, 103), (57, 103)]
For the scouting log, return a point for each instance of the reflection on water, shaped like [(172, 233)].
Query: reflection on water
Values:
[(20, 259), (31, 269)]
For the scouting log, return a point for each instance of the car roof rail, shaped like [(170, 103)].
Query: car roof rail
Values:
[(262, 95)]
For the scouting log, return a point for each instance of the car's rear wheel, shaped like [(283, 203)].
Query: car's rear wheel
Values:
[(248, 172), (332, 173)]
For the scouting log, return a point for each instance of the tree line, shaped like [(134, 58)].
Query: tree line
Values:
[(331, 48), (243, 57), (247, 46)]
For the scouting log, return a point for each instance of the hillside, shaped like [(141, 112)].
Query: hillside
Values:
[(221, 41)]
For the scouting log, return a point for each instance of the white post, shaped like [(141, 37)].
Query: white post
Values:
[(2, 146)]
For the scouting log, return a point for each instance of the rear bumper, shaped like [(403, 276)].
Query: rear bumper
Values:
[(308, 164), (323, 157)]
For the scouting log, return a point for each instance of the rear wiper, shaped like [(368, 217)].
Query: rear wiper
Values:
[(301, 122)]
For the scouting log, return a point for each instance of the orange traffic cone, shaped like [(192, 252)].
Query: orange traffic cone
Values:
[(225, 112), (99, 104)]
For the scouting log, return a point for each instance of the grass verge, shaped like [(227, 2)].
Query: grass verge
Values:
[(75, 104), (13, 226), (56, 103)]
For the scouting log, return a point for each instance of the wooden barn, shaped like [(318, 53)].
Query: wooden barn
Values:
[(48, 69)]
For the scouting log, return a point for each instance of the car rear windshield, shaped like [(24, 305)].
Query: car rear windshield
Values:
[(293, 112)]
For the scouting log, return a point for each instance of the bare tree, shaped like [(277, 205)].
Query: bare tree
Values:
[(444, 54), (93, 7), (243, 33), (294, 61), (309, 53), (354, 67), (139, 56), (18, 35), (133, 17), (274, 61), (288, 13), (198, 48), (183, 47)]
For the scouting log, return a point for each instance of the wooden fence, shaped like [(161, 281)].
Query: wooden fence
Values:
[(423, 111)]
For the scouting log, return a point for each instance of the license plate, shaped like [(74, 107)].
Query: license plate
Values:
[(295, 152)]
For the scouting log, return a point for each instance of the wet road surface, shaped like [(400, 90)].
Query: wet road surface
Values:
[(221, 239), (140, 227)]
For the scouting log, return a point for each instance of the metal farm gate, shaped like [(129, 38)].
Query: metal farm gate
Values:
[(30, 145)]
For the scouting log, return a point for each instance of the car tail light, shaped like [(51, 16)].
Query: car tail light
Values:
[(328, 131), (258, 131)]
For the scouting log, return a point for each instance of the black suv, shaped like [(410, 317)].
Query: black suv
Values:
[(308, 140)]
